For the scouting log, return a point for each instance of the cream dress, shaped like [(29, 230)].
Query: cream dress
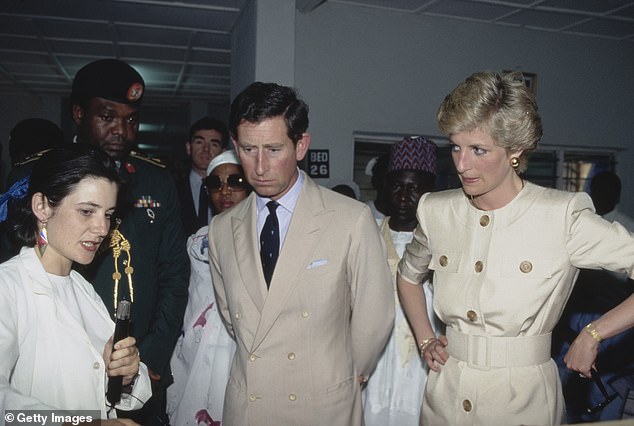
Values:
[(501, 280)]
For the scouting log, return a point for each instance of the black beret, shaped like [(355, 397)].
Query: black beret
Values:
[(110, 79)]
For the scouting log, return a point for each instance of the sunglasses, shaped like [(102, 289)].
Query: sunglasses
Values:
[(607, 398), (234, 183)]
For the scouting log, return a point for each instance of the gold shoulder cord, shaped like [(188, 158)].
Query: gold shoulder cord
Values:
[(119, 243)]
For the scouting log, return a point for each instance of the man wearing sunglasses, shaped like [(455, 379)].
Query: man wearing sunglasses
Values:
[(301, 277)]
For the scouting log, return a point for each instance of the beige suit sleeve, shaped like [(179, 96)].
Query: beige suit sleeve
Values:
[(372, 294)]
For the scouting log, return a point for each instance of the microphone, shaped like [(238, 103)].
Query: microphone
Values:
[(121, 331)]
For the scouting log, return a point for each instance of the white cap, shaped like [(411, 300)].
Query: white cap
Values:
[(226, 157)]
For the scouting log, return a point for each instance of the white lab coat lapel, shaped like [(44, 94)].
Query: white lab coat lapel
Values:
[(55, 317)]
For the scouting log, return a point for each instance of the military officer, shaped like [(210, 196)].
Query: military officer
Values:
[(146, 259)]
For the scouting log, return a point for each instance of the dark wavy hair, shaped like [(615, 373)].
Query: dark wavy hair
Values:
[(55, 175), (261, 101), (210, 123)]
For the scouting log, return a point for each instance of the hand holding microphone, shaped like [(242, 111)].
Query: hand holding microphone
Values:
[(121, 355)]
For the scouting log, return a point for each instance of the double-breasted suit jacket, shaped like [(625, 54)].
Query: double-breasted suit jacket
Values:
[(302, 344)]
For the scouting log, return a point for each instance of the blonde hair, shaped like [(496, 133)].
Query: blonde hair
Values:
[(499, 103)]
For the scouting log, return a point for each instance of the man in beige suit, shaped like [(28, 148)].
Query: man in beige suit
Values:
[(300, 277)]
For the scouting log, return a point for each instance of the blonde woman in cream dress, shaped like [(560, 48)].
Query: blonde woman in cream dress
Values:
[(505, 254)]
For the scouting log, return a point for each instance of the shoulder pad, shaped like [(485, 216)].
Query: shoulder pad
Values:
[(147, 159), (31, 158)]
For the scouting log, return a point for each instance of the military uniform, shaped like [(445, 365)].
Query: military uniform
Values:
[(145, 258), (150, 221)]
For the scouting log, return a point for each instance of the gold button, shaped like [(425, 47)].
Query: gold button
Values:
[(526, 266), (292, 397), (252, 397), (291, 356), (96, 366), (252, 358), (237, 315), (472, 316), (443, 260), (479, 266), (304, 314), (466, 404), (484, 220)]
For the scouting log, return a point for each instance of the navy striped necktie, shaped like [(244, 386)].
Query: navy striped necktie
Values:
[(270, 242)]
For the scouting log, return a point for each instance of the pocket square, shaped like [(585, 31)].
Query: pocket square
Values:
[(317, 263)]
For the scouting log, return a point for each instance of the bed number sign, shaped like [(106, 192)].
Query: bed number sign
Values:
[(319, 163)]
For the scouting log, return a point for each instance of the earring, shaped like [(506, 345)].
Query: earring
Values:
[(515, 162), (42, 240)]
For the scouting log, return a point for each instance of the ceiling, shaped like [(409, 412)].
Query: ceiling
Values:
[(183, 48)]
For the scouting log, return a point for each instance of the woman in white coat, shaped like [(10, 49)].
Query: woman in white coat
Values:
[(505, 254), (56, 350)]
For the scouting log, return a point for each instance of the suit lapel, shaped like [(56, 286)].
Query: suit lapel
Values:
[(304, 233), (187, 204), (247, 253)]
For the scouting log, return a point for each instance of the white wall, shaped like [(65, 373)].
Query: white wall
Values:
[(369, 70), (243, 41), (275, 53), (263, 44)]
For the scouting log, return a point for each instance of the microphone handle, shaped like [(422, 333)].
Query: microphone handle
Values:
[(115, 383)]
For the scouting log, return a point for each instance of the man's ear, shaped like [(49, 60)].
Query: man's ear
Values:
[(78, 114), (188, 148), (301, 147), (40, 207)]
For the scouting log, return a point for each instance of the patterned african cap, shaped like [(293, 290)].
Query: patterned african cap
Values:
[(413, 153)]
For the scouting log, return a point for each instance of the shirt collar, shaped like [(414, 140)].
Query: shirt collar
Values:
[(194, 179), (288, 200)]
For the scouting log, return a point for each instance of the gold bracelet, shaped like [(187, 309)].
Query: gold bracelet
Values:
[(593, 332), (423, 345)]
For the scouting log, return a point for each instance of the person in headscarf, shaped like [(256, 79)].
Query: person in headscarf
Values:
[(202, 358)]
